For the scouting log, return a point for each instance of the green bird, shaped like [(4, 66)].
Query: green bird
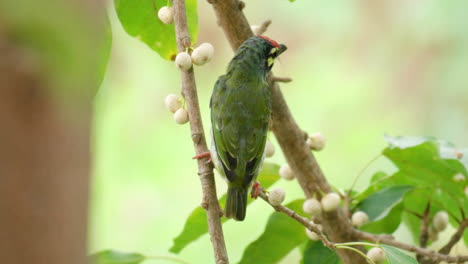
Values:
[(240, 115)]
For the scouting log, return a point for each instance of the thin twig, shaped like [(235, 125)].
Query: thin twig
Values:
[(302, 220), (383, 239), (379, 239), (281, 79), (263, 27), (455, 237), (424, 234), (205, 170)]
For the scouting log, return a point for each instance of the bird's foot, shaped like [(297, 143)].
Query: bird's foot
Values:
[(203, 155), (256, 189)]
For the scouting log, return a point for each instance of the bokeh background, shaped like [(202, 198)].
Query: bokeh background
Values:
[(361, 69)]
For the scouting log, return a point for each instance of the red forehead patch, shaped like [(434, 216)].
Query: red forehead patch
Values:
[(272, 42)]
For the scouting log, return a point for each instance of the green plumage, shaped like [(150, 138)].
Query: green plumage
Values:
[(240, 114)]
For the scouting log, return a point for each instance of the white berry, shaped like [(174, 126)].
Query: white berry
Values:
[(466, 191), (440, 221), (181, 116), (359, 219), (269, 149), (330, 202), (166, 14), (316, 141), (255, 29), (172, 102), (286, 172), (376, 254), (459, 177), (183, 61), (276, 197), (312, 206), (202, 54), (312, 235)]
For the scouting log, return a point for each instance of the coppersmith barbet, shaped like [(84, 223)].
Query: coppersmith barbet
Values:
[(240, 114)]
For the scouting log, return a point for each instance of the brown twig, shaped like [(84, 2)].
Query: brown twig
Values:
[(424, 236), (263, 27), (455, 237), (205, 170), (383, 239), (379, 239), (281, 79), (302, 220)]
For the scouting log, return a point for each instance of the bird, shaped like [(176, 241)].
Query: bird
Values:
[(240, 115)]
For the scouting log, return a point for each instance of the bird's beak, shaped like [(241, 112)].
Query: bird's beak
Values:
[(282, 48)]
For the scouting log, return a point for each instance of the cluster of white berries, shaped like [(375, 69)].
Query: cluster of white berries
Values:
[(377, 255), (201, 55), (328, 203), (174, 104), (313, 207), (316, 141), (184, 60)]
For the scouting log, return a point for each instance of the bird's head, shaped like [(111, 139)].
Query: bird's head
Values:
[(270, 48)]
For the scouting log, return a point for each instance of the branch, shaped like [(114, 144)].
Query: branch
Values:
[(383, 239), (379, 239), (424, 236), (281, 79), (205, 170), (301, 220), (263, 27), (455, 237)]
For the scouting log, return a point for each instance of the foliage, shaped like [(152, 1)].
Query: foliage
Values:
[(140, 20)]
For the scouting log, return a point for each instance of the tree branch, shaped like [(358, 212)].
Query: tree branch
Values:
[(205, 170), (378, 239), (302, 220), (455, 237), (424, 236), (418, 250)]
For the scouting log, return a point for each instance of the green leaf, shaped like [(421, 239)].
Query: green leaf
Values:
[(282, 234), (379, 204), (116, 257), (395, 256), (317, 253), (140, 19), (196, 224), (424, 164), (388, 224)]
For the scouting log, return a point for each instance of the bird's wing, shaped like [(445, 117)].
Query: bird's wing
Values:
[(239, 125)]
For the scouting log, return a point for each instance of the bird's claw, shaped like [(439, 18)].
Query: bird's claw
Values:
[(256, 189)]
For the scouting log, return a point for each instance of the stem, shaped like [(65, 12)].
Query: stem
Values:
[(357, 251), (356, 244), (205, 170)]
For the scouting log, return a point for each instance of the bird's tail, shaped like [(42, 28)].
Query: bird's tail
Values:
[(236, 203)]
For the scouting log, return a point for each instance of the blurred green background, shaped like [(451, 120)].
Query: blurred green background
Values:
[(361, 69)]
